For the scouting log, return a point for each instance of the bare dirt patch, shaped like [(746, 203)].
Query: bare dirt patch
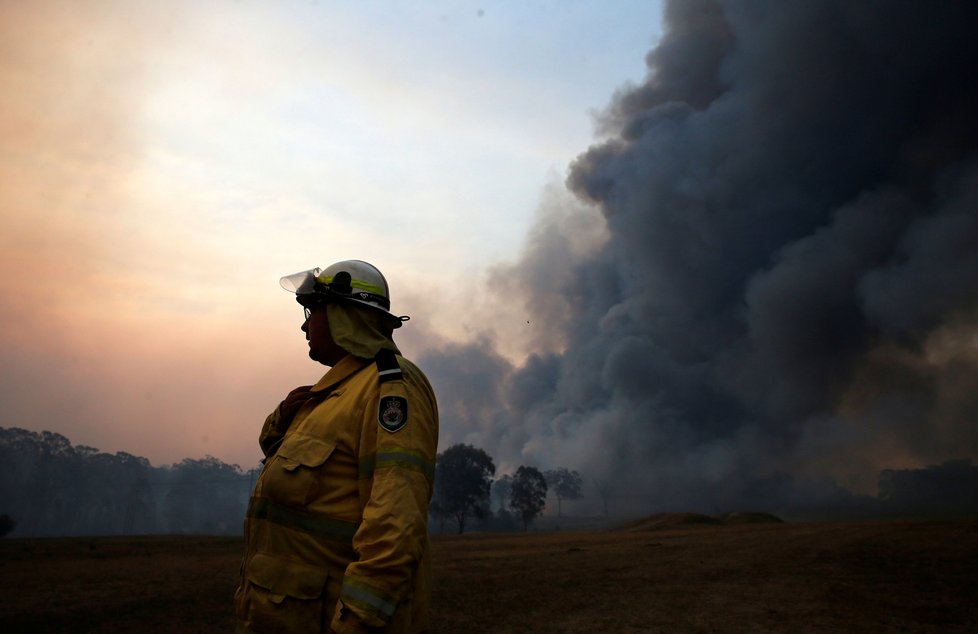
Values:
[(765, 577)]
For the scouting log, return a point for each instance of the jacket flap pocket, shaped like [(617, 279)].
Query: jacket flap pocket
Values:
[(305, 451), (289, 578)]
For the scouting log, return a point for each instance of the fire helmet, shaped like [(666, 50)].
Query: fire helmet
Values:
[(352, 281)]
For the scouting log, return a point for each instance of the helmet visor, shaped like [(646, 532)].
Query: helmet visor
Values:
[(301, 283)]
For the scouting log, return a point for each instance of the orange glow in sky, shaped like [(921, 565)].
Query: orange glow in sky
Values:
[(162, 164)]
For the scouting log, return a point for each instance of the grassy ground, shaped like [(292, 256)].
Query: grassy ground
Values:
[(118, 584), (660, 577)]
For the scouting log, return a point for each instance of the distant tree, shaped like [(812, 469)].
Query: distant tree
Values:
[(203, 497), (950, 488), (529, 494), (53, 489), (565, 484), (135, 494), (604, 492), (463, 477), (40, 481), (501, 489), (505, 521), (85, 451), (438, 513), (7, 524)]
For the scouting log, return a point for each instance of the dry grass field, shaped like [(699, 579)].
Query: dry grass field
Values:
[(667, 575)]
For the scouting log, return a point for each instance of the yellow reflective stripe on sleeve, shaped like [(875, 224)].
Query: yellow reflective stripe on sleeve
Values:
[(315, 523), (368, 598), (404, 458)]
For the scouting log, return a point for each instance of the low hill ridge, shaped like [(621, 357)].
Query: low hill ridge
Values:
[(662, 521)]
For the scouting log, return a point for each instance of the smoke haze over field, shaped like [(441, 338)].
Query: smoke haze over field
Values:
[(772, 291), (756, 288)]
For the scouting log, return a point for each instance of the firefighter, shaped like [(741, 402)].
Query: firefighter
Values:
[(336, 536)]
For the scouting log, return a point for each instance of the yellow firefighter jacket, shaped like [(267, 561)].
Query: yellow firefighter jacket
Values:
[(336, 534)]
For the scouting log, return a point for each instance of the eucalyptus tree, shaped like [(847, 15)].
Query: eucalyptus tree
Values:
[(463, 479)]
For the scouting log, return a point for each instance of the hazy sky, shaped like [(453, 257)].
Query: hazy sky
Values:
[(162, 164), (717, 254)]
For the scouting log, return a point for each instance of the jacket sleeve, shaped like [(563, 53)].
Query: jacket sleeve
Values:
[(397, 464), (272, 432)]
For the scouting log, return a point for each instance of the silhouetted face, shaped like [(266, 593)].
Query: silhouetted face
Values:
[(322, 348)]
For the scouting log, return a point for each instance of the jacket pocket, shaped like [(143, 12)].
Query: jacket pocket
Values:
[(293, 474), (284, 596), (304, 451)]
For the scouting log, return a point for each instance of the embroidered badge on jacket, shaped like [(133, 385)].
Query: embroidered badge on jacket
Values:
[(393, 413)]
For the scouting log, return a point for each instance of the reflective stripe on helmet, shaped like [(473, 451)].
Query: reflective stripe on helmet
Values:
[(356, 284)]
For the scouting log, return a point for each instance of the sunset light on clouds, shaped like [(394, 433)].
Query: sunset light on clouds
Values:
[(163, 163)]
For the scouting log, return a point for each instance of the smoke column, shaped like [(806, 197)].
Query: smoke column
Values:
[(783, 300)]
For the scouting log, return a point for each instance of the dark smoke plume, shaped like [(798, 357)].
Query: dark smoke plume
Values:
[(786, 299)]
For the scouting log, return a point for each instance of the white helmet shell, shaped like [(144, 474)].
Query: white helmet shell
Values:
[(348, 281)]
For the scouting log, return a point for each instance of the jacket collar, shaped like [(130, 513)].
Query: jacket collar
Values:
[(344, 368)]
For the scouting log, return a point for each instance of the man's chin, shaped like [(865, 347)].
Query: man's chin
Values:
[(315, 357)]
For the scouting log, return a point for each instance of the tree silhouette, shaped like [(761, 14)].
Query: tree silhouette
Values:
[(529, 494), (463, 477), (54, 489), (603, 488), (7, 524), (203, 497), (565, 484), (501, 489)]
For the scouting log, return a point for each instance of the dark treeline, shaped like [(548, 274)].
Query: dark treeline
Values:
[(51, 488)]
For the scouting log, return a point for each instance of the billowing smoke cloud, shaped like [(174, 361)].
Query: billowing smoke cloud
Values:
[(784, 300)]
